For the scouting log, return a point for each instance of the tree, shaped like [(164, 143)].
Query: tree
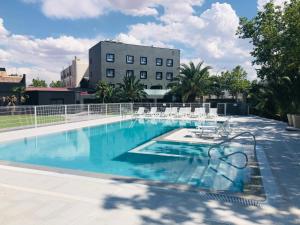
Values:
[(104, 91), (275, 35), (20, 93), (131, 89), (216, 86), (262, 99), (236, 82), (56, 84), (192, 82), (38, 83)]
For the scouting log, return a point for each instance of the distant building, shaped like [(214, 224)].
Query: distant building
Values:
[(49, 96), (9, 82), (111, 61), (73, 74)]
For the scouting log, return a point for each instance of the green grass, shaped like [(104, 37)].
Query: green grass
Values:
[(13, 121)]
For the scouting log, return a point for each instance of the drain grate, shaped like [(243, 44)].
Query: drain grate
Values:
[(230, 198)]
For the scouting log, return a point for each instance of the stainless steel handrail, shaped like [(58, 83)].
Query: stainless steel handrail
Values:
[(239, 152)]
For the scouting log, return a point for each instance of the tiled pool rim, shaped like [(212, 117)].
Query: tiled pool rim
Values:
[(204, 194)]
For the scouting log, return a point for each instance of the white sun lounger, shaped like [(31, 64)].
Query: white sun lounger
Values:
[(215, 130), (153, 112), (181, 112), (166, 113), (198, 112), (174, 111), (213, 112), (140, 112)]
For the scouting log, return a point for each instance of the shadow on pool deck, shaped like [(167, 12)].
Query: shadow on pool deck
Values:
[(283, 152)]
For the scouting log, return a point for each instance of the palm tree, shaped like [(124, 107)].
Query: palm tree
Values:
[(192, 82), (131, 89), (104, 91)]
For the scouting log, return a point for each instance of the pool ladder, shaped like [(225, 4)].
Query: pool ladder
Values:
[(223, 158)]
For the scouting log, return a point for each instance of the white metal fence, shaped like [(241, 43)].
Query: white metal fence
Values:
[(19, 117)]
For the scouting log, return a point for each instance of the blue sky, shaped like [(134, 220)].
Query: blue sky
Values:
[(40, 37)]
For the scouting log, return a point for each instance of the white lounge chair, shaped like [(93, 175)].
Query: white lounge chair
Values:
[(198, 112), (166, 113), (188, 111), (153, 112), (213, 112), (215, 130), (140, 112), (174, 111), (181, 112)]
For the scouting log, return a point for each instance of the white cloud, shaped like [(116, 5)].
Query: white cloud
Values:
[(261, 3), (40, 57), (210, 36), (74, 9)]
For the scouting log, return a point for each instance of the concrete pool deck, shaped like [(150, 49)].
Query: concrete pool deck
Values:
[(39, 197)]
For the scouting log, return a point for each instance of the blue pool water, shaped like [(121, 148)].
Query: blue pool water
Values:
[(107, 149)]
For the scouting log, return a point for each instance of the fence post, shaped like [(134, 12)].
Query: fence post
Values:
[(131, 107), (105, 110), (88, 110), (225, 109), (120, 109), (35, 117), (66, 113)]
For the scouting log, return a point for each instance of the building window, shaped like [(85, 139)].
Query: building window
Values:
[(170, 62), (91, 74), (129, 59), (143, 75), (110, 57), (159, 61), (143, 60), (169, 76), (129, 73), (158, 75), (110, 73), (90, 61)]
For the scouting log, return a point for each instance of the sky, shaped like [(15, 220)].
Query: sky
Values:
[(41, 37)]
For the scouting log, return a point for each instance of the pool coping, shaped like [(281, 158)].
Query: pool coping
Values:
[(226, 196), (207, 194)]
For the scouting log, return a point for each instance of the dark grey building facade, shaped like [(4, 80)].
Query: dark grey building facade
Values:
[(111, 61), (49, 96)]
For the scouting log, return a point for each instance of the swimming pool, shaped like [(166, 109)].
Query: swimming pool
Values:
[(109, 149)]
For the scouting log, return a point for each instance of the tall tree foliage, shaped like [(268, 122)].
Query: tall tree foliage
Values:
[(104, 92), (236, 82), (56, 84), (131, 89), (38, 83), (192, 82), (275, 35)]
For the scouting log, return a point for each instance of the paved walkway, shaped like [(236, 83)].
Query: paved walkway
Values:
[(44, 198)]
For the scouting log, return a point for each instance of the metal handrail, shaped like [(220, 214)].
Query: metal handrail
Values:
[(239, 152), (232, 138)]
